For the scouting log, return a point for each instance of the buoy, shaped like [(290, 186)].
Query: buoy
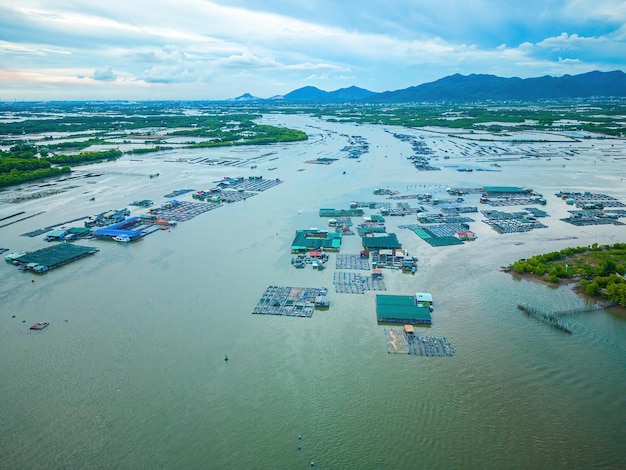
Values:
[(312, 463), (298, 447), (299, 436), (32, 280)]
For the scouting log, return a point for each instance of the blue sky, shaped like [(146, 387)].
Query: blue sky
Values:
[(203, 49)]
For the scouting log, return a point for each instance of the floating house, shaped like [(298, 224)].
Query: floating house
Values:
[(315, 240), (395, 259), (121, 229), (425, 299), (401, 309), (466, 236), (321, 301), (55, 235)]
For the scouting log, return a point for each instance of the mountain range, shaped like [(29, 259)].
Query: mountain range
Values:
[(466, 88)]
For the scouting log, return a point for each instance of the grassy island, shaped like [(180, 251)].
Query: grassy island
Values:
[(599, 269)]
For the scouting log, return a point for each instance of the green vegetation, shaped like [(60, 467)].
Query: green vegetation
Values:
[(75, 145), (601, 117), (21, 163), (156, 148), (86, 157), (80, 126), (14, 176), (600, 269)]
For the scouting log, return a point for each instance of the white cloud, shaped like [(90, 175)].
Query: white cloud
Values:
[(378, 44), (105, 74), (565, 42)]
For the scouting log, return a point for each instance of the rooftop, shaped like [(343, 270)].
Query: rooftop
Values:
[(401, 309)]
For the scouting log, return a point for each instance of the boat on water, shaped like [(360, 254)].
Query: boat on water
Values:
[(226, 357), (121, 238), (39, 326)]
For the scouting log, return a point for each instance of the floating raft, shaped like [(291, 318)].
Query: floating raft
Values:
[(289, 301), (178, 192), (399, 342), (354, 283)]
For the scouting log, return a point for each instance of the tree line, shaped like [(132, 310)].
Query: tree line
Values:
[(600, 268)]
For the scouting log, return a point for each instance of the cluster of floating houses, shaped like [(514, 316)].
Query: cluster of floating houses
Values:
[(117, 225), (381, 250)]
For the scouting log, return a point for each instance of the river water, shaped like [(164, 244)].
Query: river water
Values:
[(131, 372)]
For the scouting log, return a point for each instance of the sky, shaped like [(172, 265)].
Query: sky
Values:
[(218, 49)]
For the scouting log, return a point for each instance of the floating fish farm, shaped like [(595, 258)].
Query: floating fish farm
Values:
[(511, 222), (589, 199), (291, 301), (593, 217), (52, 257), (402, 209), (181, 211), (345, 261), (354, 283), (438, 235), (400, 342)]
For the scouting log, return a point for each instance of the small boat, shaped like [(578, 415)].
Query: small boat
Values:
[(39, 326), (225, 357), (121, 238)]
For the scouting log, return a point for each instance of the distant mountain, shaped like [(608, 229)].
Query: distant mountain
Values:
[(477, 87), (490, 87), (246, 97), (313, 94)]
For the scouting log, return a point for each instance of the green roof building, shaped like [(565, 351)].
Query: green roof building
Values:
[(401, 309), (316, 240), (494, 190), (388, 241)]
